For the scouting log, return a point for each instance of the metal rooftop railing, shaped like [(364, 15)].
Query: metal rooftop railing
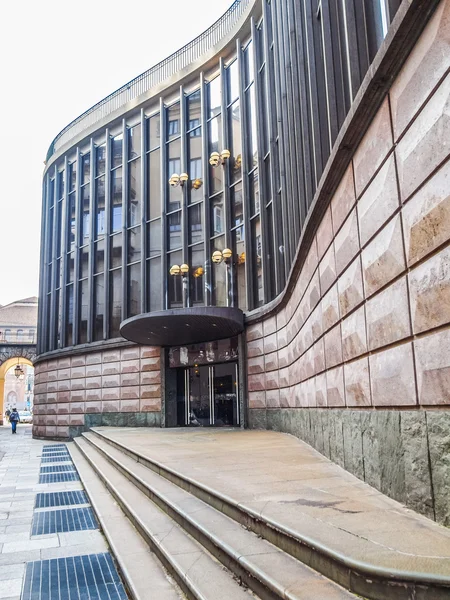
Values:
[(164, 69)]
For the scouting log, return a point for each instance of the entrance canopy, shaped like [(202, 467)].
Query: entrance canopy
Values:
[(179, 326)]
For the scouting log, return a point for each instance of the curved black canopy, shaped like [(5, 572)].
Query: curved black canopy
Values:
[(181, 326)]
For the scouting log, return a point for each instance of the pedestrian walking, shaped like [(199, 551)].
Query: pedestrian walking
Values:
[(14, 418)]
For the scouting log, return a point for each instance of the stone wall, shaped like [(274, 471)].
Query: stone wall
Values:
[(366, 327), (120, 386)]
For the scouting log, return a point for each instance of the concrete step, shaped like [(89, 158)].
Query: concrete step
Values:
[(140, 568), (267, 570), (200, 575), (382, 551)]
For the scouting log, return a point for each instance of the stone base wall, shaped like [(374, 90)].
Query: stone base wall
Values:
[(118, 387), (404, 454), (366, 321)]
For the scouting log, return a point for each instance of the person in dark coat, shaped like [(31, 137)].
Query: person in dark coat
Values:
[(14, 419)]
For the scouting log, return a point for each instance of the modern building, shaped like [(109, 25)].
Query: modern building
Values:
[(255, 233)]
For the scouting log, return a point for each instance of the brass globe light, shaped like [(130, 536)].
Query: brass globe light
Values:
[(174, 270), (217, 257)]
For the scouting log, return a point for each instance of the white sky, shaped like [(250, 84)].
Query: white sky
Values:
[(56, 60)]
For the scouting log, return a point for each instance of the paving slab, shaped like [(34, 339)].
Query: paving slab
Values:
[(283, 480)]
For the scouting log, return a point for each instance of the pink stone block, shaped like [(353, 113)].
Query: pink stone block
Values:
[(350, 287), (94, 370), (150, 351), (330, 308), (283, 377), (387, 316), (77, 384), (357, 385), (129, 392), (426, 217), (63, 362), (150, 364), (111, 393), (319, 356), (78, 396), (257, 399), (324, 234), (132, 353), (254, 332), (150, 391), (150, 377), (63, 374), (111, 368), (150, 404), (333, 347), (52, 376), (425, 144), (429, 56), (313, 291), (93, 395), (64, 385), (270, 343), (130, 366), (62, 408), (270, 325), (52, 386), (379, 201), (335, 387), (111, 381), (53, 396), (50, 419), (320, 384), (392, 377), (327, 270), (127, 379), (310, 265), (271, 380), (93, 407), (111, 356), (77, 407), (346, 243), (281, 337), (354, 337), (433, 368), (283, 357), (373, 149), (383, 259), (256, 364), (273, 398), (281, 319), (429, 286), (93, 383), (110, 406), (62, 420), (270, 363), (62, 432), (78, 361), (255, 348), (343, 200), (76, 420), (129, 405), (286, 398), (60, 396), (94, 358)]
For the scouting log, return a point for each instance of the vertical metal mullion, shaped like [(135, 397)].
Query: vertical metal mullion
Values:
[(245, 188), (163, 167), (211, 395), (187, 396), (107, 255), (330, 84), (236, 375), (76, 265), (64, 233), (229, 270), (184, 197), (205, 175), (42, 321), (261, 167), (91, 245), (54, 262), (124, 220), (142, 192)]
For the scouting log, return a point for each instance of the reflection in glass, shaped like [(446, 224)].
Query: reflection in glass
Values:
[(116, 191), (84, 311), (100, 225), (70, 267), (99, 256), (215, 145), (72, 175), (239, 267), (175, 193), (61, 177), (256, 241), (252, 128), (217, 215), (237, 214), (154, 242), (100, 159), (85, 199), (175, 282), (154, 132), (155, 280), (86, 168), (260, 41), (174, 225), (115, 302), (249, 70), (254, 192), (219, 275), (197, 274), (154, 186), (173, 120), (214, 97), (234, 128), (195, 168), (134, 142), (116, 150), (233, 81), (84, 262), (194, 107), (99, 306), (69, 315), (134, 290), (134, 198), (195, 223), (134, 244), (116, 250)]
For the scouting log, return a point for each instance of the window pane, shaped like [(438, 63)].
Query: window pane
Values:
[(239, 262), (116, 150), (134, 141), (155, 237), (214, 97), (99, 306), (61, 177), (72, 176), (257, 287), (219, 275), (84, 310), (134, 290), (174, 224), (175, 282), (116, 191), (215, 145), (254, 192), (233, 81), (101, 158), (217, 215), (234, 128), (86, 221), (175, 193), (72, 225), (154, 187), (100, 225), (86, 168), (237, 214), (99, 256), (195, 169), (155, 280), (84, 262), (115, 302), (154, 132), (173, 121), (70, 267), (248, 64), (196, 223), (116, 250), (194, 107), (69, 315), (197, 278), (134, 198), (251, 128), (134, 244)]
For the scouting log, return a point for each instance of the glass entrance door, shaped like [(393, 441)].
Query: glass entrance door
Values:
[(207, 395)]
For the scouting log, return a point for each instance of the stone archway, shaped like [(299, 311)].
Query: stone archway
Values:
[(9, 357)]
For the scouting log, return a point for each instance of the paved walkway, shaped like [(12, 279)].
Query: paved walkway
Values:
[(20, 462), (287, 482)]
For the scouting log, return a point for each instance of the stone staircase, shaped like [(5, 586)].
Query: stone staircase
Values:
[(173, 538)]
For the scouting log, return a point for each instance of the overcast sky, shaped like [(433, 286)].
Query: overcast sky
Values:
[(57, 60)]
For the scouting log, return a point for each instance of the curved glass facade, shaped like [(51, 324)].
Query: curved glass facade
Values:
[(141, 195)]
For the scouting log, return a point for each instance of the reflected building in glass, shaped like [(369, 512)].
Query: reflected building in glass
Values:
[(179, 212)]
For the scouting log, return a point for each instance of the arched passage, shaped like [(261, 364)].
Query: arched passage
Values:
[(4, 368)]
